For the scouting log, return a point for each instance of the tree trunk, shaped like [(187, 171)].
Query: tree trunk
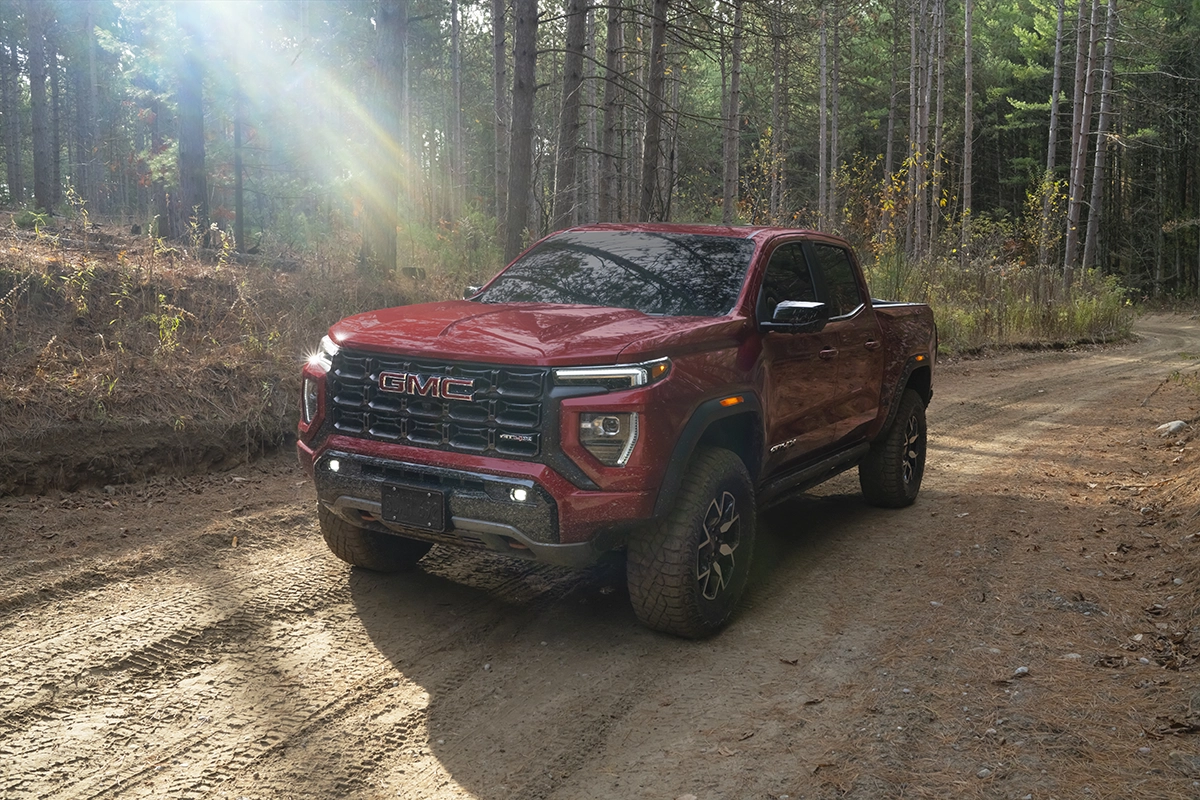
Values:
[(834, 215), (56, 192), (590, 181), (1079, 151), (92, 109), (457, 155), (823, 123), (36, 21), (938, 127), (968, 129), (380, 189), (609, 162), (1095, 207), (921, 199), (239, 207), (889, 157), (565, 174), (910, 160), (670, 170), (1052, 139), (193, 188), (775, 171), (520, 163), (651, 203), (500, 89), (10, 82)]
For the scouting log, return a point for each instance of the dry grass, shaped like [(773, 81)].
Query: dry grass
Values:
[(125, 338)]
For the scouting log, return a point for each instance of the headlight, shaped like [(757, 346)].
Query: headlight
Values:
[(610, 437), (311, 395), (616, 378), (323, 358)]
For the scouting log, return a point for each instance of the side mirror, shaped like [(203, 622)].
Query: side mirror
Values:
[(470, 292), (797, 316)]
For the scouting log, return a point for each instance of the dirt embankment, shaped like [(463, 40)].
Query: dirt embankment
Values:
[(1027, 629)]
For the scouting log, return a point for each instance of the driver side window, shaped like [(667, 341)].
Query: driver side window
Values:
[(787, 278)]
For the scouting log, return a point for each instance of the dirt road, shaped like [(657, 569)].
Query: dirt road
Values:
[(1027, 629)]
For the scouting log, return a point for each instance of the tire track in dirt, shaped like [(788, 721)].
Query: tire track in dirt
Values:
[(197, 635), (1042, 394)]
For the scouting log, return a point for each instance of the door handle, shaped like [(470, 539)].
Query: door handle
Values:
[(828, 353), (871, 344)]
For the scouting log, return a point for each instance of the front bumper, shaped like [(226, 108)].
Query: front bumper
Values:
[(555, 522)]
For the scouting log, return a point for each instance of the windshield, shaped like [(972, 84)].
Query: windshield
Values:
[(669, 274)]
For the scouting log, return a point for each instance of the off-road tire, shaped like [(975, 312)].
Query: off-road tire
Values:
[(890, 475), (681, 579), (379, 552)]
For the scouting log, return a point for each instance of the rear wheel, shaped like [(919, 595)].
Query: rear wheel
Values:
[(890, 475), (687, 572), (380, 552)]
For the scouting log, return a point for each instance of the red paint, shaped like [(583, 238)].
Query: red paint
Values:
[(818, 392)]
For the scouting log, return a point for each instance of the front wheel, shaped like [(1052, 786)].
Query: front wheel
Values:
[(379, 552), (687, 571), (890, 474)]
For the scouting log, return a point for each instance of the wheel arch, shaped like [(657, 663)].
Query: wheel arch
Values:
[(918, 376), (736, 427)]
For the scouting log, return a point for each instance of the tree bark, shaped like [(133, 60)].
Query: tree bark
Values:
[(565, 173), (10, 83), (650, 204), (52, 74), (458, 172), (239, 206), (889, 156), (380, 186), (193, 186), (1052, 138), (968, 129), (36, 21), (1095, 207), (1079, 151), (609, 162), (520, 163), (823, 121), (590, 181), (779, 72), (834, 215), (920, 156), (938, 162), (500, 122)]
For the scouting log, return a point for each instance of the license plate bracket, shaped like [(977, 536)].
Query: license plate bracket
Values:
[(414, 507)]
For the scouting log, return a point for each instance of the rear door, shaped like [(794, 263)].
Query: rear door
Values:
[(800, 382), (859, 341)]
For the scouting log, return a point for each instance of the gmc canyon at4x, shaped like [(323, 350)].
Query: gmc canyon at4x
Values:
[(638, 387)]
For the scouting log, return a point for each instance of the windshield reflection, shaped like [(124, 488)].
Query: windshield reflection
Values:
[(670, 274)]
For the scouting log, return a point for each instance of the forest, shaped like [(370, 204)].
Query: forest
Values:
[(984, 154)]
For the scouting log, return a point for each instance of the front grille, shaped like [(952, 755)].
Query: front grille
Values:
[(503, 417)]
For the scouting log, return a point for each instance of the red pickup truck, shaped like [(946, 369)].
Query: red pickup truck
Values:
[(640, 387)]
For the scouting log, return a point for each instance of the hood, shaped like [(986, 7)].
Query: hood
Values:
[(515, 333)]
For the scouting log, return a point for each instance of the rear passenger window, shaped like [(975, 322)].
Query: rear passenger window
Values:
[(841, 287)]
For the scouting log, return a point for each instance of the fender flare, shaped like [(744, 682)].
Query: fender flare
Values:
[(705, 415), (911, 366)]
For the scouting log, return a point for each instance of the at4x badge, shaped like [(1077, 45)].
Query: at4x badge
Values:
[(433, 386)]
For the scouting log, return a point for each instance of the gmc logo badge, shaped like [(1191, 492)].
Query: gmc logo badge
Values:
[(432, 386)]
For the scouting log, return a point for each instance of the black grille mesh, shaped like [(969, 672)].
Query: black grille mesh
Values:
[(503, 418)]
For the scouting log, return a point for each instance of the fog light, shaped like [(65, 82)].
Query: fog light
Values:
[(334, 465), (609, 437), (518, 494)]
